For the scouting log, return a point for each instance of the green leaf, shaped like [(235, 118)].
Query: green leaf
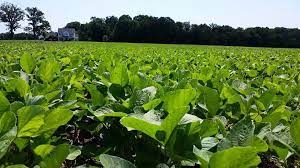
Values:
[(237, 157), (175, 103), (295, 131), (259, 144), (8, 131), (240, 135), (281, 113), (267, 97), (211, 100), (152, 104), (56, 118), (208, 128), (20, 85), (141, 97), (148, 124), (48, 70), (209, 142), (4, 103), (103, 112), (30, 120), (74, 153), (240, 87), (97, 97), (27, 63), (36, 100), (203, 156), (120, 75), (189, 118), (56, 157), (117, 91), (109, 161), (21, 143), (231, 95), (43, 150)]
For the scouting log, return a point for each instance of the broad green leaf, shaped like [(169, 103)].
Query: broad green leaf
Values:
[(146, 124), (175, 103), (240, 87), (109, 161), (56, 157), (103, 112), (120, 75), (43, 150), (237, 157), (19, 85), (281, 150), (267, 97), (15, 106), (4, 103), (259, 145), (208, 143), (74, 153), (208, 128), (211, 100), (189, 118), (27, 63), (48, 70), (30, 120), (281, 113), (240, 135), (141, 97), (203, 156), (231, 95), (36, 100), (295, 131), (56, 118), (152, 104), (117, 91), (97, 97), (21, 143), (8, 131)]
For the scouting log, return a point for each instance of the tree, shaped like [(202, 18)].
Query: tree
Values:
[(11, 15), (75, 25), (38, 25), (149, 29)]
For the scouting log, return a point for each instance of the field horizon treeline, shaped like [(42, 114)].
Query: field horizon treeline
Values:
[(150, 29)]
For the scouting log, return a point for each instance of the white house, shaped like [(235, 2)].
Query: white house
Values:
[(67, 34)]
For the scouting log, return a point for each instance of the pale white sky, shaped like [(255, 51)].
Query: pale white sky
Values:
[(236, 13)]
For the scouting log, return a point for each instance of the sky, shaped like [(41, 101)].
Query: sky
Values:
[(236, 13)]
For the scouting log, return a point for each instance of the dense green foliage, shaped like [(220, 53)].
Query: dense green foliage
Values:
[(12, 15), (149, 29), (141, 105)]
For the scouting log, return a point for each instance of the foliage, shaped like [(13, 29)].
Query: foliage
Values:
[(150, 29), (145, 105), (11, 15), (38, 25)]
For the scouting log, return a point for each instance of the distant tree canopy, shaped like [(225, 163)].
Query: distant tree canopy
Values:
[(37, 25), (11, 15), (149, 29)]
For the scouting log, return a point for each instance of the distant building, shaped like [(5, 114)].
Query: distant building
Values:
[(67, 34)]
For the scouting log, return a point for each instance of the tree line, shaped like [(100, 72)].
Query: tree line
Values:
[(149, 29), (11, 15)]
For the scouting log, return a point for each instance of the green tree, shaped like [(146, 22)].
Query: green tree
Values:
[(11, 15), (38, 25)]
